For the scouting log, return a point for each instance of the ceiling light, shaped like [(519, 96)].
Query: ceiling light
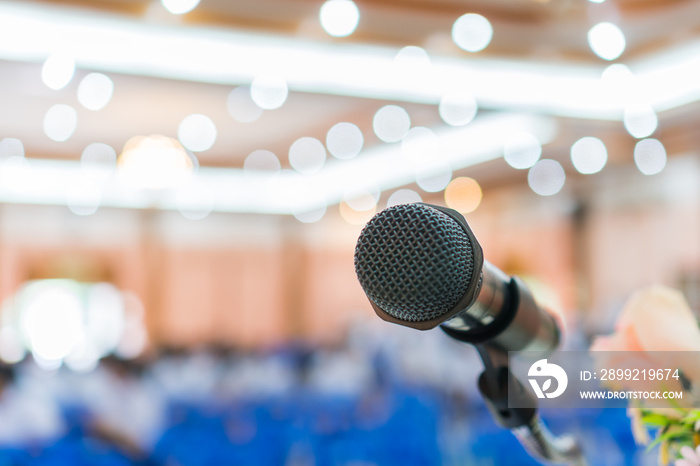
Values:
[(339, 18), (589, 155), (472, 32), (650, 156), (11, 147), (546, 177), (197, 132), (95, 91), (457, 109), (179, 7), (37, 181), (307, 155), (269, 92), (154, 162), (391, 123), (98, 161), (58, 70), (640, 120), (111, 44), (403, 196), (241, 107), (606, 40), (521, 150), (60, 122), (344, 140)]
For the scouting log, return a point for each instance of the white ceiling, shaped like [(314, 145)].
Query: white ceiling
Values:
[(533, 36)]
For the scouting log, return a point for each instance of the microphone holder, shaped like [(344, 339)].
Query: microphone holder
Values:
[(524, 423)]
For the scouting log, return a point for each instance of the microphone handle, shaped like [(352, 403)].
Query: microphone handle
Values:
[(536, 438), (505, 315)]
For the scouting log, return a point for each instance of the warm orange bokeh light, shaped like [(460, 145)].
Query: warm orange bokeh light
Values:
[(463, 194), (355, 217)]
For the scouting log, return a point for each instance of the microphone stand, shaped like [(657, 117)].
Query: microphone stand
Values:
[(524, 423)]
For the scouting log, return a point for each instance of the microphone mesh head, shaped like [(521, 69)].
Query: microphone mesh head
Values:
[(414, 262)]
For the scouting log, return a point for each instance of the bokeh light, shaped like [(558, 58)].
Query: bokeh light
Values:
[(617, 74), (640, 120), (435, 177), (619, 84), (103, 307), (58, 70), (457, 109), (410, 57), (308, 204), (61, 320), (134, 340), (589, 155), (472, 32), (362, 197), (11, 147), (197, 132), (355, 217), (420, 145), (95, 91), (546, 177), (339, 18), (463, 194), (403, 196), (606, 40), (98, 161), (16, 174), (60, 122), (412, 68), (391, 123), (11, 349), (154, 162), (53, 321), (269, 92), (311, 216), (421, 148), (650, 156), (83, 357), (195, 201), (522, 150), (261, 162), (179, 7), (241, 107), (361, 203), (344, 140), (47, 365), (84, 198), (307, 155)]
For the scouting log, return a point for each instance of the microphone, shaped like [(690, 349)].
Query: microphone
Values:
[(421, 266)]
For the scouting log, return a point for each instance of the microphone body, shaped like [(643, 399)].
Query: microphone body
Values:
[(421, 266)]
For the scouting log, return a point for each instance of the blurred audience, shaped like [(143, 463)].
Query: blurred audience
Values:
[(383, 396)]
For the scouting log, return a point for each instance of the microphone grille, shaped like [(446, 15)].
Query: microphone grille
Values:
[(414, 262)]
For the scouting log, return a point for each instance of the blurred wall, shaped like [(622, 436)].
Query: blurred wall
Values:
[(253, 280)]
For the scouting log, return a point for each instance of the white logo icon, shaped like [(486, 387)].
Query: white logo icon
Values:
[(544, 369)]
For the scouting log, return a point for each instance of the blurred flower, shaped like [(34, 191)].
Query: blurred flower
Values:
[(653, 320), (689, 457), (656, 329), (639, 431)]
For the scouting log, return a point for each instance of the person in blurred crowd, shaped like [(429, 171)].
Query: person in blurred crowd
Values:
[(29, 415)]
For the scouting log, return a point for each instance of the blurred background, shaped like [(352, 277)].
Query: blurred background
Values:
[(182, 183)]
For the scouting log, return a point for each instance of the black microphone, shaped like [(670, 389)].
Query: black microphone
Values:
[(421, 266)]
